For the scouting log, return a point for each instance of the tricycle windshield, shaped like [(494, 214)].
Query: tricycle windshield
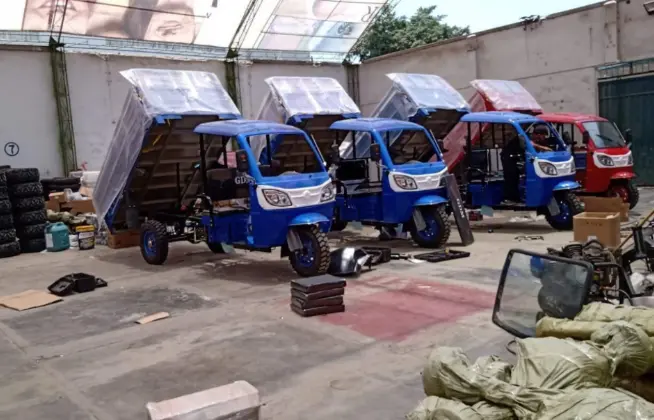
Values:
[(543, 137), (410, 146), (284, 154), (604, 134)]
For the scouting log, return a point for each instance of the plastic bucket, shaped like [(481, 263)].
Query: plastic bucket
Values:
[(85, 237)]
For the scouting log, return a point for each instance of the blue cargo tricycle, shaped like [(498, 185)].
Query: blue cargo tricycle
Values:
[(519, 163), (390, 173), (282, 198)]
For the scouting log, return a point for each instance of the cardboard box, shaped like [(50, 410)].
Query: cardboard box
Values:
[(603, 226), (53, 205), (59, 197), (607, 205), (123, 239), (78, 207)]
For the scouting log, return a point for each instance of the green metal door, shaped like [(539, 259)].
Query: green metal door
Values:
[(629, 102)]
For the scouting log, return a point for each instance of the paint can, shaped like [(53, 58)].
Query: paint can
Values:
[(85, 237)]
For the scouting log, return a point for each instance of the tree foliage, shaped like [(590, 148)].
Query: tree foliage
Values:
[(390, 32)]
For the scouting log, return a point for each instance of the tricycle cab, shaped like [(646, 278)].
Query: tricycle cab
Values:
[(521, 163)]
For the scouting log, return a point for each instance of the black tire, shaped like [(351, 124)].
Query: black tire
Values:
[(9, 250), (28, 246), (31, 231), (216, 247), (5, 207), (574, 205), (28, 204), (61, 181), (338, 226), (6, 221), (22, 175), (321, 257), (443, 227), (154, 242), (31, 218), (61, 188), (3, 178), (28, 189), (4, 192), (634, 195), (7, 236)]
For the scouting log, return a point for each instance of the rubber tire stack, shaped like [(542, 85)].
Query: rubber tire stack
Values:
[(9, 245), (26, 194), (51, 185)]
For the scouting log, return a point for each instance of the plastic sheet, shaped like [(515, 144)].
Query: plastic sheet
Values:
[(506, 95), (291, 96), (154, 93), (427, 91)]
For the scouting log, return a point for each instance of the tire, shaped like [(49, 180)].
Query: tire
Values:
[(6, 221), (28, 246), (31, 231), (338, 226), (22, 175), (216, 247), (313, 259), (4, 192), (62, 181), (28, 204), (569, 205), (28, 189), (7, 236), (438, 228), (61, 188), (9, 250), (634, 195), (3, 178), (5, 207), (154, 242), (31, 218)]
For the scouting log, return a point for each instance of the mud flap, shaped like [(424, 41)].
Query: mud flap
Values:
[(462, 223), (418, 220), (553, 207), (293, 240)]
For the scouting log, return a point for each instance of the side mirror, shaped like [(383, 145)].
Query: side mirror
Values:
[(566, 138), (375, 152), (628, 136), (335, 154), (585, 139), (242, 164)]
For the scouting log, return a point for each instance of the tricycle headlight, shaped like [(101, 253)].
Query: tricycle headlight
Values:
[(548, 168), (405, 182), (327, 193), (605, 160), (277, 198)]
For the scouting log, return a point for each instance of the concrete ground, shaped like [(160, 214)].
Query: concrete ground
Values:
[(85, 358)]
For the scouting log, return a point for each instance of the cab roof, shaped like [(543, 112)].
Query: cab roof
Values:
[(233, 128), (499, 117), (374, 124), (569, 117)]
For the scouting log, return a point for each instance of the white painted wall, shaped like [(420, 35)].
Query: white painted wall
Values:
[(555, 59), (28, 115)]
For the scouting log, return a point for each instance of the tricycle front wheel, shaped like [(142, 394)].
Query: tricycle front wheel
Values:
[(313, 258), (627, 191), (569, 206), (154, 242), (437, 230)]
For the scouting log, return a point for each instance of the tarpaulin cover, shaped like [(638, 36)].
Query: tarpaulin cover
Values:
[(154, 93), (291, 96), (506, 95), (425, 91)]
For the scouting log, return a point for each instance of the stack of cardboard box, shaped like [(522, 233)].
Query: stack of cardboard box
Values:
[(601, 220)]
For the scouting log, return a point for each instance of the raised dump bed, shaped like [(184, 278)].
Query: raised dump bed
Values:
[(152, 163)]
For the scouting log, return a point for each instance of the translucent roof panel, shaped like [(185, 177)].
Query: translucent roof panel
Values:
[(310, 25), (429, 91), (316, 27), (312, 95), (180, 92), (506, 95)]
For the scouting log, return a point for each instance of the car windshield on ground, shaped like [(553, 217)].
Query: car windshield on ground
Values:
[(604, 134)]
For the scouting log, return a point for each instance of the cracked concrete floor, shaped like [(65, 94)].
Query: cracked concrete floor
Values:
[(85, 358)]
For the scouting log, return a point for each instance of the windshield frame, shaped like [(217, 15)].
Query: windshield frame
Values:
[(391, 136), (554, 134), (270, 140), (599, 139)]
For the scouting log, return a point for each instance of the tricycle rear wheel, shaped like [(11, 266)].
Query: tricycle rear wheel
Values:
[(437, 232), (313, 258), (154, 242)]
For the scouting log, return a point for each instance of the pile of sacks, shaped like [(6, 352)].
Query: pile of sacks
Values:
[(553, 379)]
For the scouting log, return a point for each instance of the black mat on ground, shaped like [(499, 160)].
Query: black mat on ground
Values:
[(442, 255), (330, 301), (323, 310), (317, 283), (308, 297)]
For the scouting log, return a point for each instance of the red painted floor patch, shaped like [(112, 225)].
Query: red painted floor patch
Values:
[(396, 314)]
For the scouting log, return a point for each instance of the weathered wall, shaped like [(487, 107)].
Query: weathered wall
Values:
[(28, 116), (554, 59)]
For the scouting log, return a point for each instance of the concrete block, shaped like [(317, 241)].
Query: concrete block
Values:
[(238, 400)]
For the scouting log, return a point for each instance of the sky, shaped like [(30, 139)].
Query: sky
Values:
[(486, 14)]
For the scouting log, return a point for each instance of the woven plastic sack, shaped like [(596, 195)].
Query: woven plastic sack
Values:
[(597, 404), (435, 408), (627, 346), (604, 312)]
